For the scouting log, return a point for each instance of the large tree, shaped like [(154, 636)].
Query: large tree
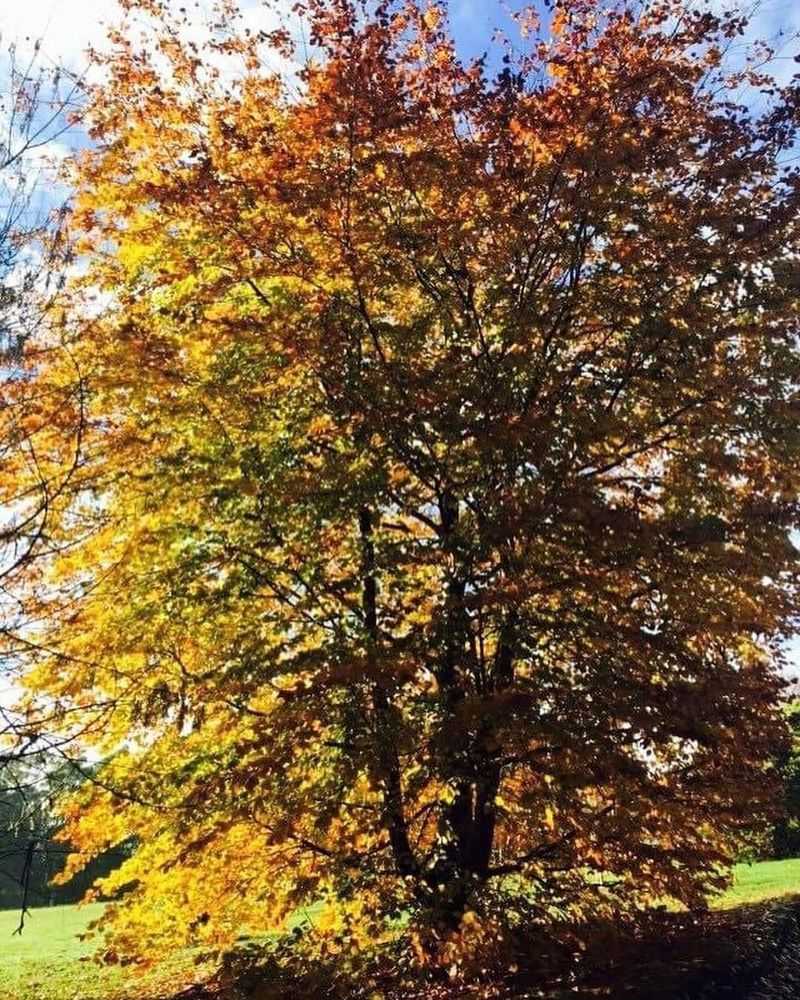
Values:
[(429, 549)]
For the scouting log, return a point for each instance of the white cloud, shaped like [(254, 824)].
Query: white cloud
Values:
[(66, 28)]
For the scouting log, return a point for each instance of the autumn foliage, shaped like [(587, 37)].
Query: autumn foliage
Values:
[(427, 558)]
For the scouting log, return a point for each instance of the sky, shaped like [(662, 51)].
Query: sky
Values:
[(68, 27)]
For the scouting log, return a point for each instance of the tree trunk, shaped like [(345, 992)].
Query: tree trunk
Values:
[(467, 824), (385, 734)]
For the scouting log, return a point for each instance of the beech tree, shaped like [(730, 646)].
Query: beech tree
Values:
[(429, 547)]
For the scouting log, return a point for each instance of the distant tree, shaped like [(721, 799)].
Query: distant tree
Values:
[(31, 855), (429, 549), (786, 833), (26, 826)]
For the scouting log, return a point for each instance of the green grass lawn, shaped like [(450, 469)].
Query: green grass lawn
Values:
[(49, 962), (762, 880)]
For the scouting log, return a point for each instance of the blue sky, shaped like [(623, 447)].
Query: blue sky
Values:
[(67, 27)]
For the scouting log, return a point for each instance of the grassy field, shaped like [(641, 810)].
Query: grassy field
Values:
[(762, 880), (49, 962)]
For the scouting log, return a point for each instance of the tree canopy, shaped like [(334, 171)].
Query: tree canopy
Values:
[(426, 551)]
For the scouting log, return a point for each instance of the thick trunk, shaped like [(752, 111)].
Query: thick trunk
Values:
[(472, 817), (467, 762), (489, 771), (385, 737), (467, 825), (457, 819)]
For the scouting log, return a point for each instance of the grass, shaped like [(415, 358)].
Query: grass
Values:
[(760, 881), (50, 962)]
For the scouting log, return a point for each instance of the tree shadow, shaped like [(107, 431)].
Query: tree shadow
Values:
[(749, 952)]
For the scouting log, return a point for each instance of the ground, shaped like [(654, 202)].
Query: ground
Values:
[(50, 962), (762, 880)]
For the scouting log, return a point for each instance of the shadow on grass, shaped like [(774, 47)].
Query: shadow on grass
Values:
[(750, 952)]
